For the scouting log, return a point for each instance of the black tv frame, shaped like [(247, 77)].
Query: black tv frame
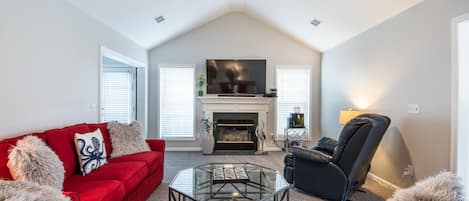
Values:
[(263, 92)]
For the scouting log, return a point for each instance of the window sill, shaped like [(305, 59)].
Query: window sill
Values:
[(180, 138)]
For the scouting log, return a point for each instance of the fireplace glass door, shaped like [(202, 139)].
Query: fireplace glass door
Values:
[(235, 132)]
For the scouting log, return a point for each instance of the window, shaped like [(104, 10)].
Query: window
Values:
[(119, 94), (294, 89), (177, 86)]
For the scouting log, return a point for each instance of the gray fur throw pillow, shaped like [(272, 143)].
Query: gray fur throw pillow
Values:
[(126, 139), (27, 191), (443, 187), (31, 160)]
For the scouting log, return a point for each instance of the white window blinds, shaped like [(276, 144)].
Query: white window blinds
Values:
[(294, 89), (118, 95), (177, 102)]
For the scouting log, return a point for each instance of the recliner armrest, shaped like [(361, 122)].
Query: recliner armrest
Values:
[(326, 144), (311, 155)]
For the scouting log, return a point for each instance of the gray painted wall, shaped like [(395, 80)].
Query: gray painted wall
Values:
[(407, 59), (50, 55), (233, 36)]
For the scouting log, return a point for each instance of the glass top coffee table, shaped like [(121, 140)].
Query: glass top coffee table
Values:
[(198, 184)]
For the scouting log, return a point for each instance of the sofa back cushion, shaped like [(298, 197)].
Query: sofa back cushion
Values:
[(61, 141), (106, 136), (5, 146)]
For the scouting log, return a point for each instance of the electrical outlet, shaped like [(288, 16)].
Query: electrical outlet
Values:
[(408, 171)]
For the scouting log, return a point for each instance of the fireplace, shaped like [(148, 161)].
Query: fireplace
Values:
[(235, 131), (252, 109)]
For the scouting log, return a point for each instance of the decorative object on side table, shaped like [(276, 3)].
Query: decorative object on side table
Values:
[(296, 119), (208, 140), (296, 132), (200, 84)]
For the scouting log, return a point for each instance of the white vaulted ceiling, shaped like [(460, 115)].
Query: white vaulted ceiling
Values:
[(340, 19)]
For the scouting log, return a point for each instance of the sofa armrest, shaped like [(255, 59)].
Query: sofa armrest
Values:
[(156, 144), (72, 195), (311, 155)]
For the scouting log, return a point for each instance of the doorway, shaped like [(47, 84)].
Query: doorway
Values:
[(460, 98), (123, 89)]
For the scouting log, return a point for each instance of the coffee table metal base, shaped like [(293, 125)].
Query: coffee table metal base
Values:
[(174, 195)]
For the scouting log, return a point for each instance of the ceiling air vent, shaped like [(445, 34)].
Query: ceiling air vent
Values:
[(315, 22), (159, 19)]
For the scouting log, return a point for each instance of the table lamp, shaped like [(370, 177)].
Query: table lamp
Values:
[(347, 115)]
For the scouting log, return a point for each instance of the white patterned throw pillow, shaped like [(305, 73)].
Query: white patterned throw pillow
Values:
[(91, 151)]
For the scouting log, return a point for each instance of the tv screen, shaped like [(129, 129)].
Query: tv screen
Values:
[(236, 76)]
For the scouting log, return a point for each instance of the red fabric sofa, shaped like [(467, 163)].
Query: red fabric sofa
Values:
[(131, 178)]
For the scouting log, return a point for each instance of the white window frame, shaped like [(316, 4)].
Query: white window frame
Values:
[(133, 72), (279, 135), (457, 161), (194, 129)]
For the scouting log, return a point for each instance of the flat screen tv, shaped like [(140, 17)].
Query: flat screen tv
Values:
[(229, 76)]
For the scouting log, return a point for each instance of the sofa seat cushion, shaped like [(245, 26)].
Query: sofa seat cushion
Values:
[(152, 159), (129, 173), (62, 142), (5, 146), (103, 190)]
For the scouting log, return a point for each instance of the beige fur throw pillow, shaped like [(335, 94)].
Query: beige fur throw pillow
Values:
[(27, 191), (31, 160), (443, 187), (126, 139)]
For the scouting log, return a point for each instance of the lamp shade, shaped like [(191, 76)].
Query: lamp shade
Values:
[(347, 115)]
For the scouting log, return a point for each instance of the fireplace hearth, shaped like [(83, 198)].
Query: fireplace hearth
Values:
[(235, 131)]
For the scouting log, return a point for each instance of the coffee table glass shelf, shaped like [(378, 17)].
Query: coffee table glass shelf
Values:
[(197, 184)]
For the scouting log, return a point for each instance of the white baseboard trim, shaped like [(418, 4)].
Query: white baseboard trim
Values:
[(383, 182), (183, 149), (200, 149)]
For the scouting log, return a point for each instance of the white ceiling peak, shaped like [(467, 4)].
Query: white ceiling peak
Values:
[(341, 19)]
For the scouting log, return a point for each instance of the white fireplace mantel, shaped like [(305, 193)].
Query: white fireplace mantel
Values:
[(233, 104), (216, 104)]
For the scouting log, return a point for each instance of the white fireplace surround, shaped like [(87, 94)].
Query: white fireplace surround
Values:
[(260, 105)]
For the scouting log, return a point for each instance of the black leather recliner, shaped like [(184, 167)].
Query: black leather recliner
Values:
[(334, 169)]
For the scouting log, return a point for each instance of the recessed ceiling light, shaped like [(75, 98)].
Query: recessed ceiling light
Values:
[(159, 19), (315, 22)]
